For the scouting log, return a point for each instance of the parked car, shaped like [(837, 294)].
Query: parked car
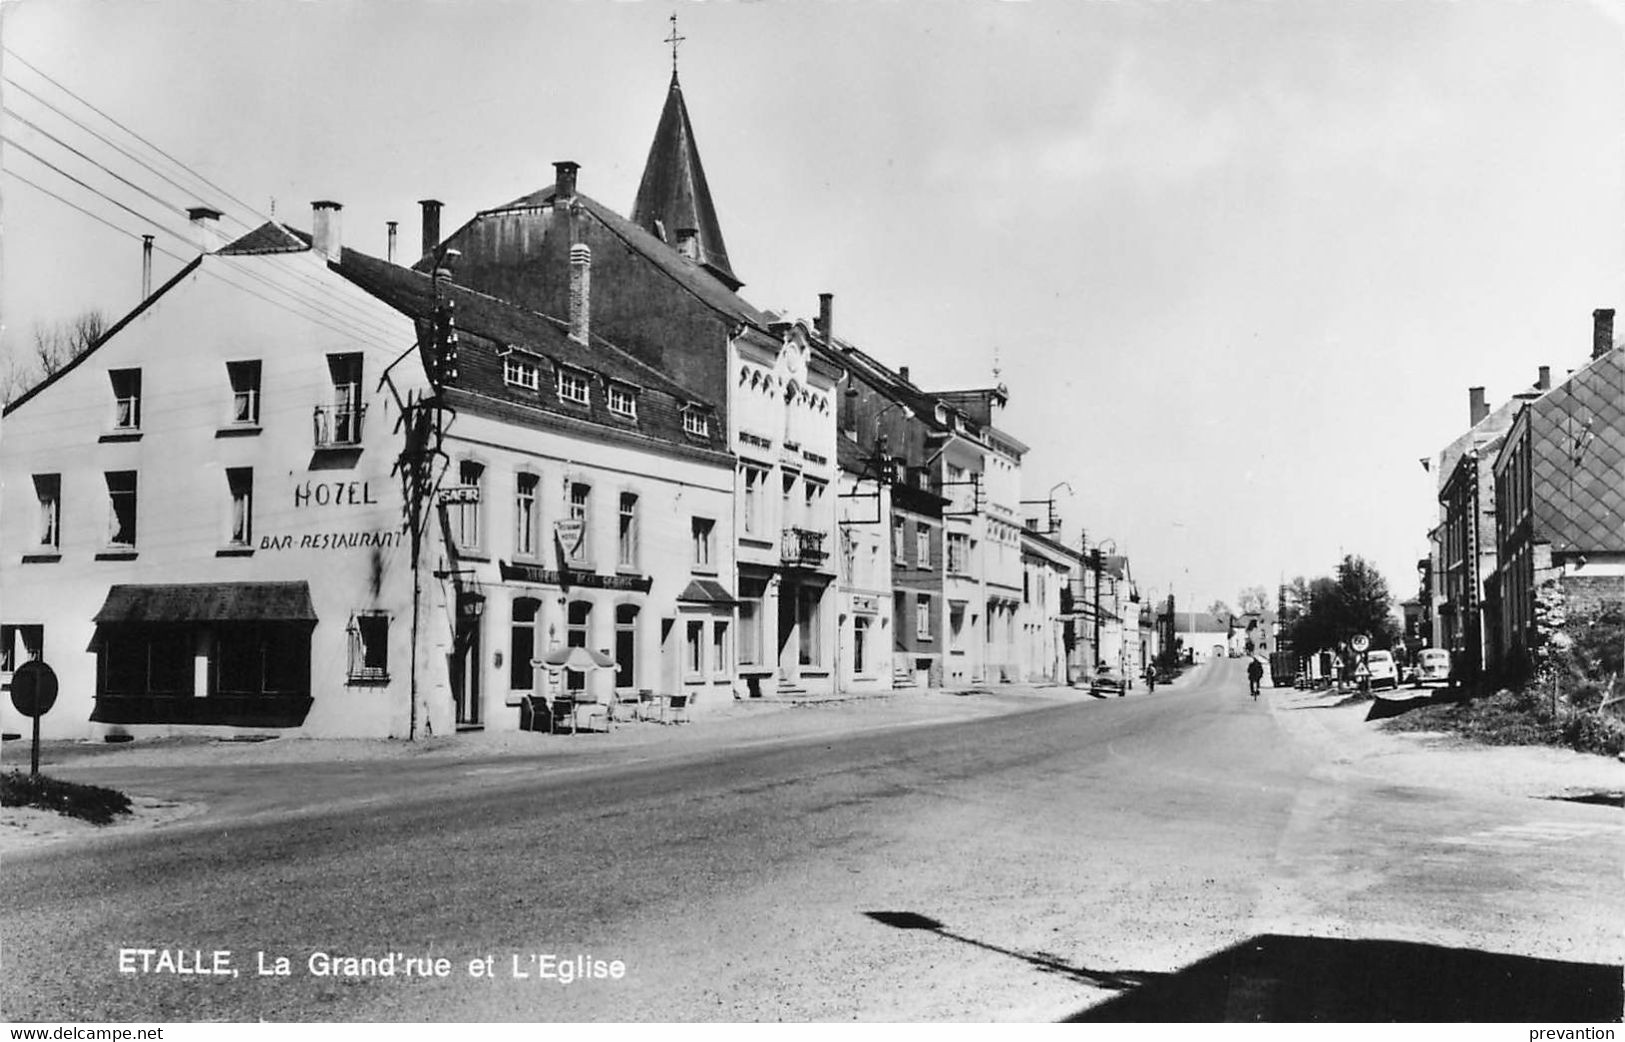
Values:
[(1107, 679), (1432, 667), (1381, 669)]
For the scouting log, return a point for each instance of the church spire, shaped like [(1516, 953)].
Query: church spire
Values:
[(674, 201)]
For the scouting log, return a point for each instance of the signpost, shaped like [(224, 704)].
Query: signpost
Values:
[(1360, 643), (33, 692)]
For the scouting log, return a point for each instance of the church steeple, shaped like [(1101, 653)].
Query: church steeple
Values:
[(674, 201)]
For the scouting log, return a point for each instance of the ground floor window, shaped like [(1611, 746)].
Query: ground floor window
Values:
[(369, 648), (860, 644), (522, 644), (694, 662), (719, 647), (19, 644), (750, 622), (257, 674), (809, 619), (626, 646), (577, 619)]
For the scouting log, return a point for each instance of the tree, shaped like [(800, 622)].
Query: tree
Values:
[(54, 347), (1254, 600), (1220, 609), (1336, 609)]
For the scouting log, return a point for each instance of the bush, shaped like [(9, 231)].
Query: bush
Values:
[(88, 802)]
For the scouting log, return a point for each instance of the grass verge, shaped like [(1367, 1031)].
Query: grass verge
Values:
[(1517, 717), (89, 802)]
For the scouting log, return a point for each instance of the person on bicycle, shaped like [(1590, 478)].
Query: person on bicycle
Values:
[(1255, 673), (1150, 679)]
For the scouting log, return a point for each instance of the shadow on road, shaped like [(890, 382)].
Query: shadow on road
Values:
[(1383, 708), (1285, 979), (1109, 980)]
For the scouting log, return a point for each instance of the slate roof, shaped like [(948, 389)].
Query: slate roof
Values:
[(208, 602), (269, 237), (674, 195), (1577, 458)]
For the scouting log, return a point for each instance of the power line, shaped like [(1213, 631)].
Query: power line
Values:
[(93, 162)]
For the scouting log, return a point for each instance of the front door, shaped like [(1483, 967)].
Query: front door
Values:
[(465, 675)]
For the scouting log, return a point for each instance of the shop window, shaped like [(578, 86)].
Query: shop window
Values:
[(522, 644), (240, 483), (48, 493), (703, 531), (121, 508), (627, 556), (19, 644), (126, 399), (465, 513), (263, 659), (525, 515), (696, 648), (369, 647), (245, 392)]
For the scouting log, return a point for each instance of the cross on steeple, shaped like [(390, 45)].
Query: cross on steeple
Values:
[(674, 40)]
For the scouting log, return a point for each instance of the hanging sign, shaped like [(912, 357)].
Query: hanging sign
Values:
[(570, 532)]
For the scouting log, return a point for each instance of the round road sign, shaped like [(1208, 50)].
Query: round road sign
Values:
[(1360, 642), (33, 688)]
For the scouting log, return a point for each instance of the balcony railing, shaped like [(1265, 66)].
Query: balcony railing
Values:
[(804, 548), (338, 426)]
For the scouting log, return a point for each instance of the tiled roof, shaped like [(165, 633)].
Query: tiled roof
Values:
[(269, 237), (1577, 458), (674, 195)]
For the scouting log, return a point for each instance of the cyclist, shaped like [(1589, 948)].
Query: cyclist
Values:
[(1255, 673), (1150, 679)]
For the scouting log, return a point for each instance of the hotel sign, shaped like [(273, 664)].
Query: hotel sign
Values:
[(535, 573)]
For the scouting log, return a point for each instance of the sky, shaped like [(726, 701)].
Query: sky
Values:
[(1238, 263)]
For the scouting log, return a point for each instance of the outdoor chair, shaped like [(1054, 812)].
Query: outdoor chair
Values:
[(648, 703), (676, 708), (563, 711), (589, 708), (625, 706)]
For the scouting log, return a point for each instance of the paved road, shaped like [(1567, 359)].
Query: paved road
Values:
[(1183, 855)]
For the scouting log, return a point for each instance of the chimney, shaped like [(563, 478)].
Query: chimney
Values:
[(431, 225), (580, 292), (205, 227), (564, 180), (902, 371), (146, 266), (1477, 409), (391, 255), (826, 319), (324, 228), (1545, 381), (1602, 331), (688, 243)]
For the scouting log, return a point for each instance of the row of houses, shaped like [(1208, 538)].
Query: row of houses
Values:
[(304, 488), (1531, 516)]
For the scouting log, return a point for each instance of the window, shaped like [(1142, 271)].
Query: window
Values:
[(572, 385), (578, 618), (809, 615), (580, 510), (752, 519), (860, 644), (814, 493), (623, 401), (240, 483), (48, 491), (369, 647), (340, 424), (696, 423), (465, 514), (696, 648), (521, 371), (922, 616), (922, 545), (719, 647), (19, 644), (628, 556), (626, 646), (121, 508), (957, 544), (245, 392), (522, 644), (899, 540), (126, 398), (525, 519), (702, 529)]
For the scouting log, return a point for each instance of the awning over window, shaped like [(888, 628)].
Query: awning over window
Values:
[(705, 591), (208, 602)]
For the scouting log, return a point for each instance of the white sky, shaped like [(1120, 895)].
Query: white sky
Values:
[(1239, 261)]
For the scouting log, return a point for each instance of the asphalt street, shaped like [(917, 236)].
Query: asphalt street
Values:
[(1177, 856)]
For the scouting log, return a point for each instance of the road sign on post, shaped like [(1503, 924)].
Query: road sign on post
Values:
[(33, 692), (1360, 642)]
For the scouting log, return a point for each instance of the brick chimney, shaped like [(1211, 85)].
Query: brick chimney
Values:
[(1545, 381), (392, 226), (205, 227), (902, 371), (1477, 408), (431, 225), (688, 243), (564, 180), (324, 228), (1602, 331), (826, 319), (580, 292)]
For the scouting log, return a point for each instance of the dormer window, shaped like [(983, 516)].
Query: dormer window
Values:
[(572, 386), (623, 401), (521, 369), (696, 422)]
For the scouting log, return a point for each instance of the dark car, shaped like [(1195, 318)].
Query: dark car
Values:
[(1107, 679)]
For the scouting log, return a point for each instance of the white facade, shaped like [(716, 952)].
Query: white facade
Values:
[(865, 585)]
